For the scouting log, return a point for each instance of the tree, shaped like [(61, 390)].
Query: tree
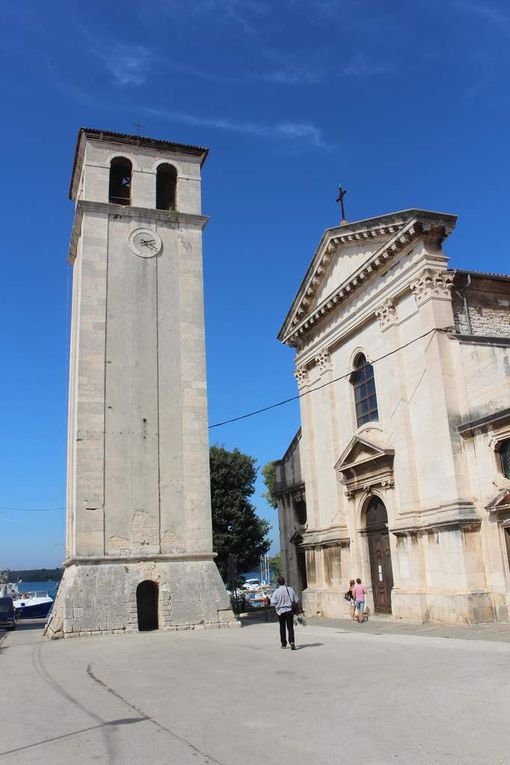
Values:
[(237, 529), (276, 566), (269, 474)]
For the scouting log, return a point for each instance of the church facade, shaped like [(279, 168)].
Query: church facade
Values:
[(400, 473)]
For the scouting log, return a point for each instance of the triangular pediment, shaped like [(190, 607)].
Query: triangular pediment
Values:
[(344, 262), (500, 503), (359, 452), (349, 256)]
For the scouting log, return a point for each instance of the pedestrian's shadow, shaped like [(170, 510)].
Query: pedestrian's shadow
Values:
[(308, 645)]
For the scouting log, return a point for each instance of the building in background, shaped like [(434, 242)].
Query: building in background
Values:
[(404, 448), (291, 498)]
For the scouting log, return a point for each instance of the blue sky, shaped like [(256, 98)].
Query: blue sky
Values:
[(405, 102)]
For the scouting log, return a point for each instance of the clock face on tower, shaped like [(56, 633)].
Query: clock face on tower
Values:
[(144, 242)]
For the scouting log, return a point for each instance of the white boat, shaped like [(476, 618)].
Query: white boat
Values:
[(27, 605)]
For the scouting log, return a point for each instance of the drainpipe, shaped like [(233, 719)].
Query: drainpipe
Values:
[(462, 296)]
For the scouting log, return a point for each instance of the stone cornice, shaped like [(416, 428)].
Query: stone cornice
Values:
[(402, 233), (438, 525), (460, 514), (493, 340), (171, 218), (489, 422), (332, 536), (104, 560), (295, 490)]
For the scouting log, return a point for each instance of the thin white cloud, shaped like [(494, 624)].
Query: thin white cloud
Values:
[(302, 131), (241, 13), (361, 65), (129, 65), (310, 69), (490, 13)]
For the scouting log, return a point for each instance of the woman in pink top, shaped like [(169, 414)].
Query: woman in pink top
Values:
[(359, 597)]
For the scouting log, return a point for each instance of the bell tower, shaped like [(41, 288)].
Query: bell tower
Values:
[(139, 536)]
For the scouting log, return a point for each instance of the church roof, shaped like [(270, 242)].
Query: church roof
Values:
[(383, 237), (483, 274), (128, 140)]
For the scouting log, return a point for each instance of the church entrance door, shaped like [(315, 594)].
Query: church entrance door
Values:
[(380, 555), (147, 605)]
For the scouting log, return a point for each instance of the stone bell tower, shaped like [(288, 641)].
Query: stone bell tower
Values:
[(139, 538)]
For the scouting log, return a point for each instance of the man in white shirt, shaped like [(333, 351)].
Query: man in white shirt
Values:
[(283, 599)]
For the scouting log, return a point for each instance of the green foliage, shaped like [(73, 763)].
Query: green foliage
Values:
[(269, 474), (35, 575), (237, 529), (276, 566)]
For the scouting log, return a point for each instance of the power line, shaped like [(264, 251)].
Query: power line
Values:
[(322, 385), (260, 411)]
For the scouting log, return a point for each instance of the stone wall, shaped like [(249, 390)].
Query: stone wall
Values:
[(488, 305)]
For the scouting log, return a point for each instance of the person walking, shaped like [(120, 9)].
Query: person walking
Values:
[(349, 596), (286, 603), (359, 598)]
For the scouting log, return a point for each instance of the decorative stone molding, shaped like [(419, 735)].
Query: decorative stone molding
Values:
[(323, 360), (387, 313), (401, 228), (365, 465), (333, 535), (301, 375), (432, 283)]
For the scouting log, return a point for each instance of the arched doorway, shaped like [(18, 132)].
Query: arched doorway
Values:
[(380, 554), (147, 605)]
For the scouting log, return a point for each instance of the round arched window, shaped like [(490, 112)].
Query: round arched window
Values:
[(504, 456), (365, 398)]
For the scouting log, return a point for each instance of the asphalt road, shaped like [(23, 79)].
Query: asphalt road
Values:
[(234, 697)]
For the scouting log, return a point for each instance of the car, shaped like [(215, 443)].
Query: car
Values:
[(7, 619)]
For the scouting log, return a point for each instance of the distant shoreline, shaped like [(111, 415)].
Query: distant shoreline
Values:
[(34, 574)]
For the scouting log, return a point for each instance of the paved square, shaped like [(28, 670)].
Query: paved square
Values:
[(233, 696)]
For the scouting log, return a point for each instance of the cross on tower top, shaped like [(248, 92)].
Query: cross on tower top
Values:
[(138, 127)]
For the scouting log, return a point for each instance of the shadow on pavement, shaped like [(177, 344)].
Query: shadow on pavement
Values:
[(300, 646)]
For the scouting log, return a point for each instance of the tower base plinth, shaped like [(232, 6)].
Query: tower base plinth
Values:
[(103, 597)]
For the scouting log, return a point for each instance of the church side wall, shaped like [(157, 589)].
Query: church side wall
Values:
[(486, 311)]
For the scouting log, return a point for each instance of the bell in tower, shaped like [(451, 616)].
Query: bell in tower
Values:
[(139, 534)]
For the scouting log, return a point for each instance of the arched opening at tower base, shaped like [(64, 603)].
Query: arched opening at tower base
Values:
[(147, 606), (380, 554)]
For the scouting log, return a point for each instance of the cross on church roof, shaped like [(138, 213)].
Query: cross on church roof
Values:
[(341, 194)]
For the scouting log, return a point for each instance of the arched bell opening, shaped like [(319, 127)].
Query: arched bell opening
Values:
[(166, 187), (119, 192), (147, 596)]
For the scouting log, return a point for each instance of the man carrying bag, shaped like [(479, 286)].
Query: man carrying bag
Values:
[(286, 604)]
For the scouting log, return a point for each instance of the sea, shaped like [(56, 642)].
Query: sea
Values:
[(49, 587)]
